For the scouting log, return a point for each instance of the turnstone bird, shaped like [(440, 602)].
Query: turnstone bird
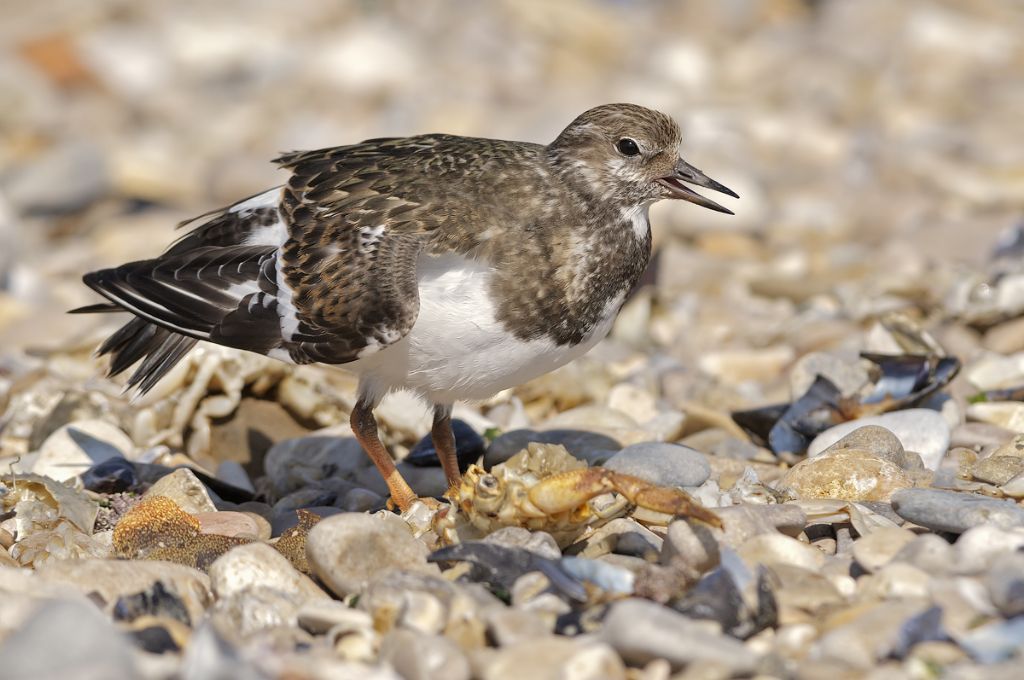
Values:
[(451, 266)]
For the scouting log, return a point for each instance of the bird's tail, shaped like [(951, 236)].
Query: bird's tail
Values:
[(159, 349)]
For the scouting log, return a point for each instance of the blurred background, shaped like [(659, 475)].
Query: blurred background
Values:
[(876, 145)]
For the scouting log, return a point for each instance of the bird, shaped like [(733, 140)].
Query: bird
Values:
[(454, 267)]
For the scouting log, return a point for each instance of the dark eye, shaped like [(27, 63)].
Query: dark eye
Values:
[(627, 147)]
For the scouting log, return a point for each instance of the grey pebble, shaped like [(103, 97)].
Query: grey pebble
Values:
[(953, 511), (918, 429), (589, 446), (642, 631), (349, 550), (662, 464)]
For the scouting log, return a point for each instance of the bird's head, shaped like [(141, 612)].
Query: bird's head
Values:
[(629, 154)]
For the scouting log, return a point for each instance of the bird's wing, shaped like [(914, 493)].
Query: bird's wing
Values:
[(357, 219)]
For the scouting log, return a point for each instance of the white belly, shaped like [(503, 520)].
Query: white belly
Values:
[(457, 349)]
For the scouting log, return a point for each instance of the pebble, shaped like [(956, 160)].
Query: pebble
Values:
[(257, 565), (849, 376), (349, 550), (642, 631), (65, 179), (184, 488), (469, 446), (955, 512), (744, 521), (920, 430), (878, 548), (590, 446), (692, 545), (622, 535), (847, 474), (419, 656), (662, 464), (977, 548), (554, 658), (74, 448), (113, 579), (1005, 581), (67, 639), (227, 523), (297, 463), (772, 548), (998, 470)]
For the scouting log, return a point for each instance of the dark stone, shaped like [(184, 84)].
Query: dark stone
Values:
[(469, 446), (114, 475)]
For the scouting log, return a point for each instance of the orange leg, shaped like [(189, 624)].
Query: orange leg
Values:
[(364, 425), (444, 443)]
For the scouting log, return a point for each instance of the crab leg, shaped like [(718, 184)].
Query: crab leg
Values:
[(572, 489)]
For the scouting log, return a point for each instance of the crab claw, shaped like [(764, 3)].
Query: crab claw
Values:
[(572, 489)]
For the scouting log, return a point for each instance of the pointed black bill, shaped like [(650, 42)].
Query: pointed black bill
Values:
[(691, 175)]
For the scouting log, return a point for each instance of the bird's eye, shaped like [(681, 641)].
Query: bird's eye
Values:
[(627, 147)]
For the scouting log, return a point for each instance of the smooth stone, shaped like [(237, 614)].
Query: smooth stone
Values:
[(469, 446), (297, 463), (580, 443), (283, 521), (427, 482), (1006, 414), (998, 470), (247, 612), (865, 633), (879, 442), (622, 535), (847, 375), (745, 521), (361, 500), (979, 435), (114, 475), (318, 616), (690, 545), (113, 579), (977, 548), (929, 552), (349, 550), (1005, 581), (540, 542), (231, 472), (508, 626), (878, 548), (76, 447), (953, 511), (554, 658), (662, 464), (1014, 488), (228, 523), (772, 548), (848, 474), (923, 431), (67, 639), (258, 565), (310, 497), (184, 488), (894, 581), (642, 631), (418, 656)]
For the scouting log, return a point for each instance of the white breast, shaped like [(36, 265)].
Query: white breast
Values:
[(457, 349)]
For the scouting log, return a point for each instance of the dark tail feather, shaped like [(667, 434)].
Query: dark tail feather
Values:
[(158, 348)]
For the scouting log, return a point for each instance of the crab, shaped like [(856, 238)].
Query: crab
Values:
[(545, 488)]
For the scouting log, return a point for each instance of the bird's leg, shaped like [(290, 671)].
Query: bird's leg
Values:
[(444, 443), (364, 425)]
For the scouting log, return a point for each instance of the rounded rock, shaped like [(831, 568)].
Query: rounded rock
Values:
[(349, 550), (921, 430), (878, 548), (257, 565), (662, 464), (953, 511), (847, 474)]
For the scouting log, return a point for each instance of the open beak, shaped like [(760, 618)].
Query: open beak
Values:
[(691, 175)]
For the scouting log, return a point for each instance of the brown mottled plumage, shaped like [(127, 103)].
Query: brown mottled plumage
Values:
[(452, 266)]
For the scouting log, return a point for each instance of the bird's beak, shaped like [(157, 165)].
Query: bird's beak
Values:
[(684, 172)]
